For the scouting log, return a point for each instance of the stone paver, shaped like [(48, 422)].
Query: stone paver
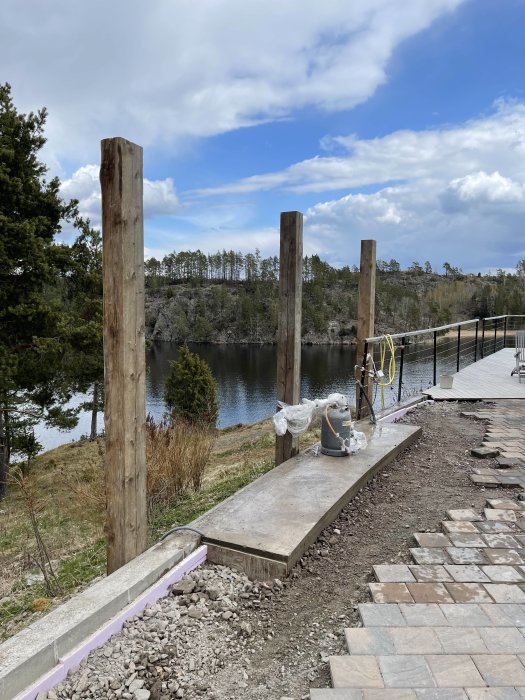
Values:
[(467, 539), (403, 671), (429, 555), (393, 573), (429, 593), (468, 593), (390, 593), (451, 671), (500, 669), (459, 526), (450, 626), (467, 573), (432, 539), (430, 572), (463, 514), (503, 574)]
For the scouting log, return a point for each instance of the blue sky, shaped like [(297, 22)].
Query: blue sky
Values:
[(403, 122)]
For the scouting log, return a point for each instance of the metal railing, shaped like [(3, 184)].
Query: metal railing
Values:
[(422, 355)]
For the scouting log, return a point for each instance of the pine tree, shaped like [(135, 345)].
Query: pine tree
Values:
[(31, 317), (191, 390)]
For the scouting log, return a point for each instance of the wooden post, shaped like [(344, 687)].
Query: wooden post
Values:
[(289, 324), (365, 319), (124, 350)]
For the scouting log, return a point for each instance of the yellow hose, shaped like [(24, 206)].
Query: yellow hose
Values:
[(384, 343)]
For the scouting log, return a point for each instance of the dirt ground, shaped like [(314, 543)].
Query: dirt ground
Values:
[(298, 628)]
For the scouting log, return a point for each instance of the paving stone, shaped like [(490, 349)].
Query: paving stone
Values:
[(393, 573), (405, 672), (416, 640), (468, 593), (461, 640), (390, 593), (466, 555), (429, 555), (369, 640), (503, 504), (508, 516), (390, 694), (510, 481), (454, 671), (423, 615), (336, 694), (502, 540), (485, 470), (520, 539), (467, 573), (441, 694), (497, 526), (463, 514), (467, 539), (493, 694), (429, 593), (430, 572), (465, 615), (500, 669), (374, 615), (505, 614), (502, 574), (459, 526), (503, 640), (485, 479), (503, 556), (484, 452), (505, 592), (432, 539), (505, 462), (355, 672)]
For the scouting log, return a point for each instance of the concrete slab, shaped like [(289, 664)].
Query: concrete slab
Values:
[(276, 517)]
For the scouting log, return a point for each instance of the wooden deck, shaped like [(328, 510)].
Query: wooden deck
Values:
[(486, 379)]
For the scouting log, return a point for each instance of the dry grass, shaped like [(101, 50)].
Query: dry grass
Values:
[(176, 455)]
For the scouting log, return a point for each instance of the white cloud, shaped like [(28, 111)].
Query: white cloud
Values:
[(161, 71), (482, 187), (160, 197)]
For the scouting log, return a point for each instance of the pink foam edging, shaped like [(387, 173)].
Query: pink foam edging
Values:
[(158, 590)]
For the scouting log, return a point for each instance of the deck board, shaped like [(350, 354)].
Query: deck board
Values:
[(486, 379)]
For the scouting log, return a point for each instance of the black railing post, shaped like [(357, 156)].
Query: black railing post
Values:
[(495, 332), (435, 358), (459, 349), (476, 343), (505, 332), (401, 362), (482, 338), (363, 378)]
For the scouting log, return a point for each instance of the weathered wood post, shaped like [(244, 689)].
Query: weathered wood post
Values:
[(124, 349), (289, 323), (365, 321)]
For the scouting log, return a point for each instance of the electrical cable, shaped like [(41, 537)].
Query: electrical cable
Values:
[(180, 527)]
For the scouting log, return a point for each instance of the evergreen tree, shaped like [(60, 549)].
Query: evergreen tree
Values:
[(191, 390), (31, 320), (85, 360)]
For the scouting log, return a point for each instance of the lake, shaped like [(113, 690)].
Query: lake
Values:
[(246, 375)]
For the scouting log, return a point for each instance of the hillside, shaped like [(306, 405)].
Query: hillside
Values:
[(245, 311)]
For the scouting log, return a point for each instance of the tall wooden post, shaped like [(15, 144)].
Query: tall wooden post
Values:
[(289, 323), (365, 320), (124, 350)]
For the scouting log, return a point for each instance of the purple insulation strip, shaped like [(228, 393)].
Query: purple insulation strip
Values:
[(158, 590)]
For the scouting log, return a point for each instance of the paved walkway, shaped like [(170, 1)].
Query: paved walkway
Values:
[(449, 626)]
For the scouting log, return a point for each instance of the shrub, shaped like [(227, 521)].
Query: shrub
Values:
[(176, 454), (191, 390)]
